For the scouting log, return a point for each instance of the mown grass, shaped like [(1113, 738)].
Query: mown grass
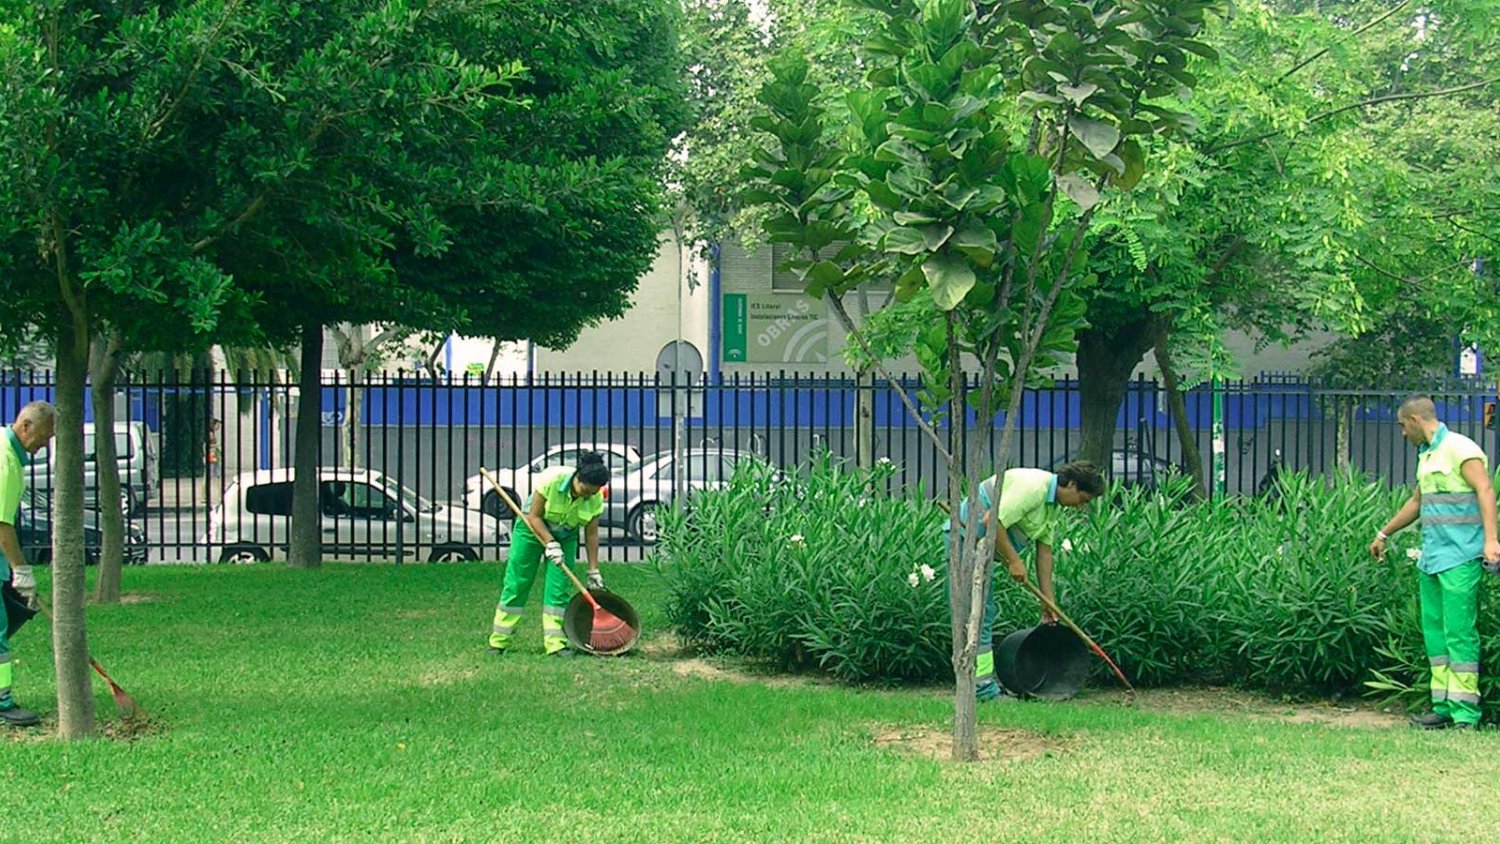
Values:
[(355, 703)]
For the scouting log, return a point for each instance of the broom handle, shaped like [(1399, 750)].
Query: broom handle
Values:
[(1067, 622), (519, 515), (1078, 631), (94, 663)]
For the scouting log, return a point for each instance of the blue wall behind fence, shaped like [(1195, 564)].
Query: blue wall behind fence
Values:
[(423, 404)]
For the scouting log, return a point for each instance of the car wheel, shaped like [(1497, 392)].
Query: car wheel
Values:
[(452, 554), (642, 523), (244, 554), (490, 505)]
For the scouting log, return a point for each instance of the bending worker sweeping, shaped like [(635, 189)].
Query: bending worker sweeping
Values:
[(1456, 502), (566, 500), (1027, 512)]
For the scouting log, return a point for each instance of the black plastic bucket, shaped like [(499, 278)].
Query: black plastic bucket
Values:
[(1046, 662), (578, 622)]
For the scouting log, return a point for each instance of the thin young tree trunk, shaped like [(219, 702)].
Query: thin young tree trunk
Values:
[(307, 540), (104, 371), (965, 721), (864, 417), (1192, 457), (75, 693)]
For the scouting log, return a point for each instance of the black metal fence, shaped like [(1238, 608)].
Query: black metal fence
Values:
[(206, 457)]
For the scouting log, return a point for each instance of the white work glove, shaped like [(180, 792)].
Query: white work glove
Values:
[(23, 581), (553, 552), (596, 579)]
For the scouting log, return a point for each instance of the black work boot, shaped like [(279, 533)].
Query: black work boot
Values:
[(565, 653), (1431, 721), (15, 716), (493, 651)]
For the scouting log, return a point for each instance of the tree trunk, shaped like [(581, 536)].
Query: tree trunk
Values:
[(1192, 458), (965, 616), (307, 540), (75, 693), (864, 418), (1105, 362), (104, 369)]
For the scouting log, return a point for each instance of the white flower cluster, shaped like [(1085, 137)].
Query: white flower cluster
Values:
[(921, 573)]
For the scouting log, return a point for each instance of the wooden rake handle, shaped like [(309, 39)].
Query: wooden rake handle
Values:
[(515, 508), (114, 687)]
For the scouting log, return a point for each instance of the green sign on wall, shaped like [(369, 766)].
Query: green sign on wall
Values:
[(736, 325), (774, 328)]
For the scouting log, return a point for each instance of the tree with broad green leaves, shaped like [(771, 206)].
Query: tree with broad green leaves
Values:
[(243, 170), (1338, 181), (983, 141)]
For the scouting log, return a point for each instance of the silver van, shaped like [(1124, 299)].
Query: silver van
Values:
[(363, 515), (135, 453)]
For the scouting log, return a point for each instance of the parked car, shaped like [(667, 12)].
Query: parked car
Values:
[(135, 454), (634, 497), (363, 513), (479, 495), (1133, 468), (35, 532)]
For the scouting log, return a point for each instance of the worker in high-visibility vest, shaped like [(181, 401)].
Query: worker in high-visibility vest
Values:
[(32, 430), (1455, 500), (567, 501), (1027, 512)]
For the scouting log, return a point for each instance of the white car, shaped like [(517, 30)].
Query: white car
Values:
[(479, 495), (363, 514)]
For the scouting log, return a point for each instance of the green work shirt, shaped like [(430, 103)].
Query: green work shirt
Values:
[(564, 511), (1028, 506), (12, 478), (1452, 529)]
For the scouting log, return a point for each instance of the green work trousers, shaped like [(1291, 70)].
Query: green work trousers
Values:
[(520, 573), (1450, 632)]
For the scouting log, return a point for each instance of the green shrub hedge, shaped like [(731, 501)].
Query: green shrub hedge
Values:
[(822, 568)]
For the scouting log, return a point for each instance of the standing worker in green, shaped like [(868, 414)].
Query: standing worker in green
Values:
[(32, 430), (566, 500), (1456, 503), (1027, 512)]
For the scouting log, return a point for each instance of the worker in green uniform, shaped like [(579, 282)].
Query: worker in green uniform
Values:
[(32, 430), (1455, 500), (566, 500), (1027, 512)]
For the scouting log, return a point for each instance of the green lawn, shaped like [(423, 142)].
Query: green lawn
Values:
[(355, 703)]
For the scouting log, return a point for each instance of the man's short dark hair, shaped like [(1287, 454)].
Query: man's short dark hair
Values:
[(1083, 475), (1418, 406)]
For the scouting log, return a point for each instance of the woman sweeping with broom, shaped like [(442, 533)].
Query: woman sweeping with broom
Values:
[(566, 500)]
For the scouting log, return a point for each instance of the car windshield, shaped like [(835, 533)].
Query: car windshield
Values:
[(122, 444), (409, 498)]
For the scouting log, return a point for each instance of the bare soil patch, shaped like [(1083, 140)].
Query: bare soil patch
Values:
[(996, 744)]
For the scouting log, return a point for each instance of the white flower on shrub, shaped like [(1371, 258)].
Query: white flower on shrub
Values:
[(884, 461), (1414, 554), (928, 573), (798, 539), (1067, 545), (863, 502), (912, 580)]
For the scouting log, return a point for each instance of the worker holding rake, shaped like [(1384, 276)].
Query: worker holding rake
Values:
[(1455, 500), (566, 501), (1027, 512), (32, 430)]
